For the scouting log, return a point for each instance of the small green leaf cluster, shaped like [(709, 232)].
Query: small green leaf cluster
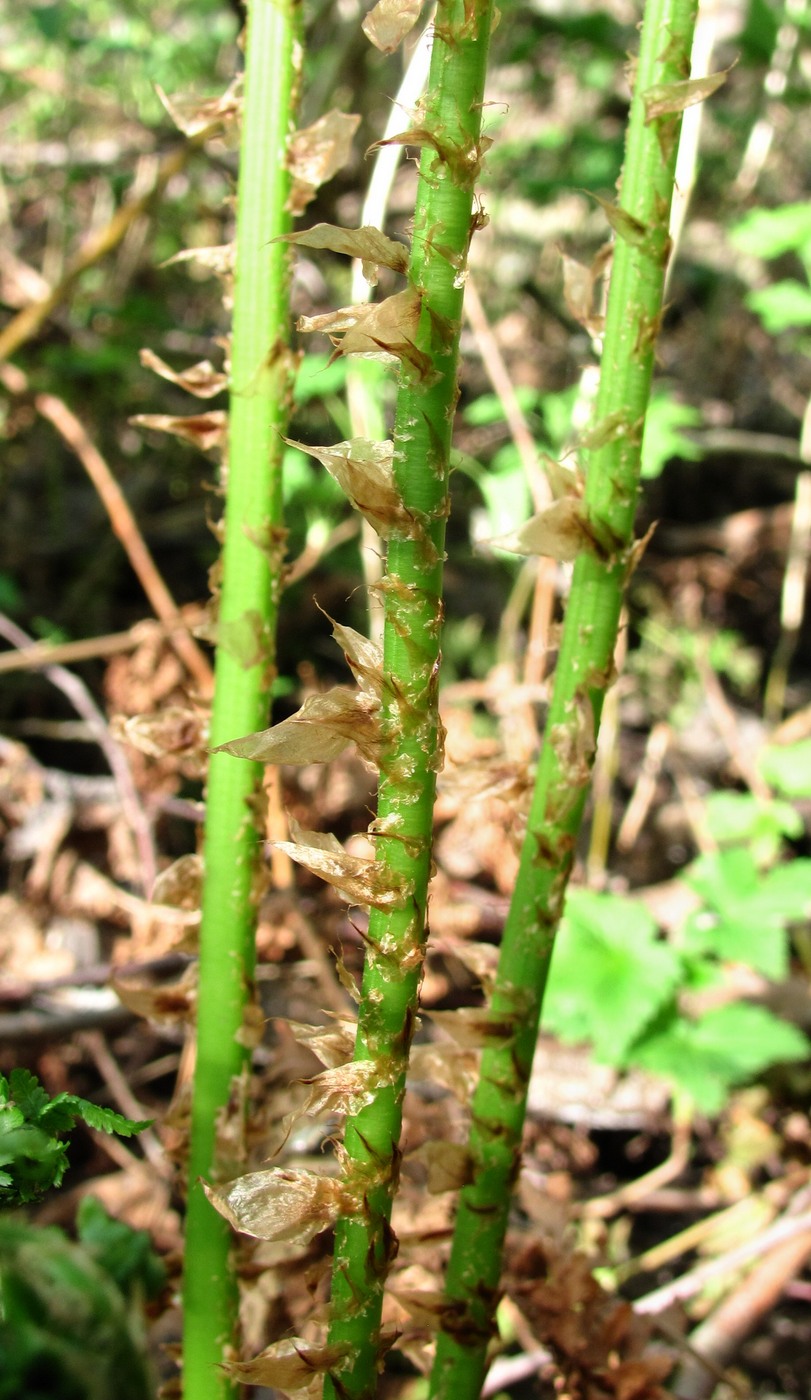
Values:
[(33, 1150), (616, 982), (667, 666), (772, 233), (68, 1327)]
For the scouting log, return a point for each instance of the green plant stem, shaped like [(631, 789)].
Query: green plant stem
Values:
[(583, 674), (261, 375), (411, 744)]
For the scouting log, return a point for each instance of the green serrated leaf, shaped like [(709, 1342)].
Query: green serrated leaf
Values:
[(749, 909), (784, 306), (59, 1114), (105, 1120), (740, 817), (28, 1093), (663, 437), (788, 768), (742, 939), (768, 233), (728, 1046), (610, 974)]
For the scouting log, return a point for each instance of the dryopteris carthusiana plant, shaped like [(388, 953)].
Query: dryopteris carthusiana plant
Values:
[(401, 487)]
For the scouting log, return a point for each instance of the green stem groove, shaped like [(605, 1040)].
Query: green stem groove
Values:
[(261, 373)]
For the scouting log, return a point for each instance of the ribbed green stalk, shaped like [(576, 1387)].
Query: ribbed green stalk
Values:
[(260, 392), (583, 674), (411, 746)]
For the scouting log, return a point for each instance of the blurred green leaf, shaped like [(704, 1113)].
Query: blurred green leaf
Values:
[(788, 768), (125, 1254), (740, 817), (768, 233), (727, 1046), (782, 306), (610, 974), (750, 908), (506, 491), (488, 408), (664, 438), (317, 377), (66, 1331)]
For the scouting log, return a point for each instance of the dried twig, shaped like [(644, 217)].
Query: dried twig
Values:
[(27, 322), (81, 700), (123, 523), (789, 1227)]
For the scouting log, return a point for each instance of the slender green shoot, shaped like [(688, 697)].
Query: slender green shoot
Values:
[(599, 528), (261, 373), (449, 132)]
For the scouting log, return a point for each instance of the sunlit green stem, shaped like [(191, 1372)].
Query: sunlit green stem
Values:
[(583, 673), (260, 390), (411, 746)]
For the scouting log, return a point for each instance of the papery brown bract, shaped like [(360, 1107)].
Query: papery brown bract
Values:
[(558, 532), (203, 430), (334, 1043), (374, 248), (202, 379), (383, 330), (449, 1165), (481, 959), (277, 1204), (579, 283), (665, 99), (194, 115), (449, 1065), (363, 470), (289, 1365), (356, 878), (387, 25), (343, 1088), (472, 1027), (631, 230), (172, 729), (318, 152), (363, 656), (218, 260), (168, 1003), (317, 733)]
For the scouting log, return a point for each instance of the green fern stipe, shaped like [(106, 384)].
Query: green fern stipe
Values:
[(261, 374), (601, 525), (449, 133)]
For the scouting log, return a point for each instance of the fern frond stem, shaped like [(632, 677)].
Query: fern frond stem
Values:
[(584, 671), (261, 386), (450, 129)]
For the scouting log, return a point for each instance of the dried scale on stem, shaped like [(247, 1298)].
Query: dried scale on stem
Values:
[(597, 529), (261, 385), (401, 487), (448, 130)]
